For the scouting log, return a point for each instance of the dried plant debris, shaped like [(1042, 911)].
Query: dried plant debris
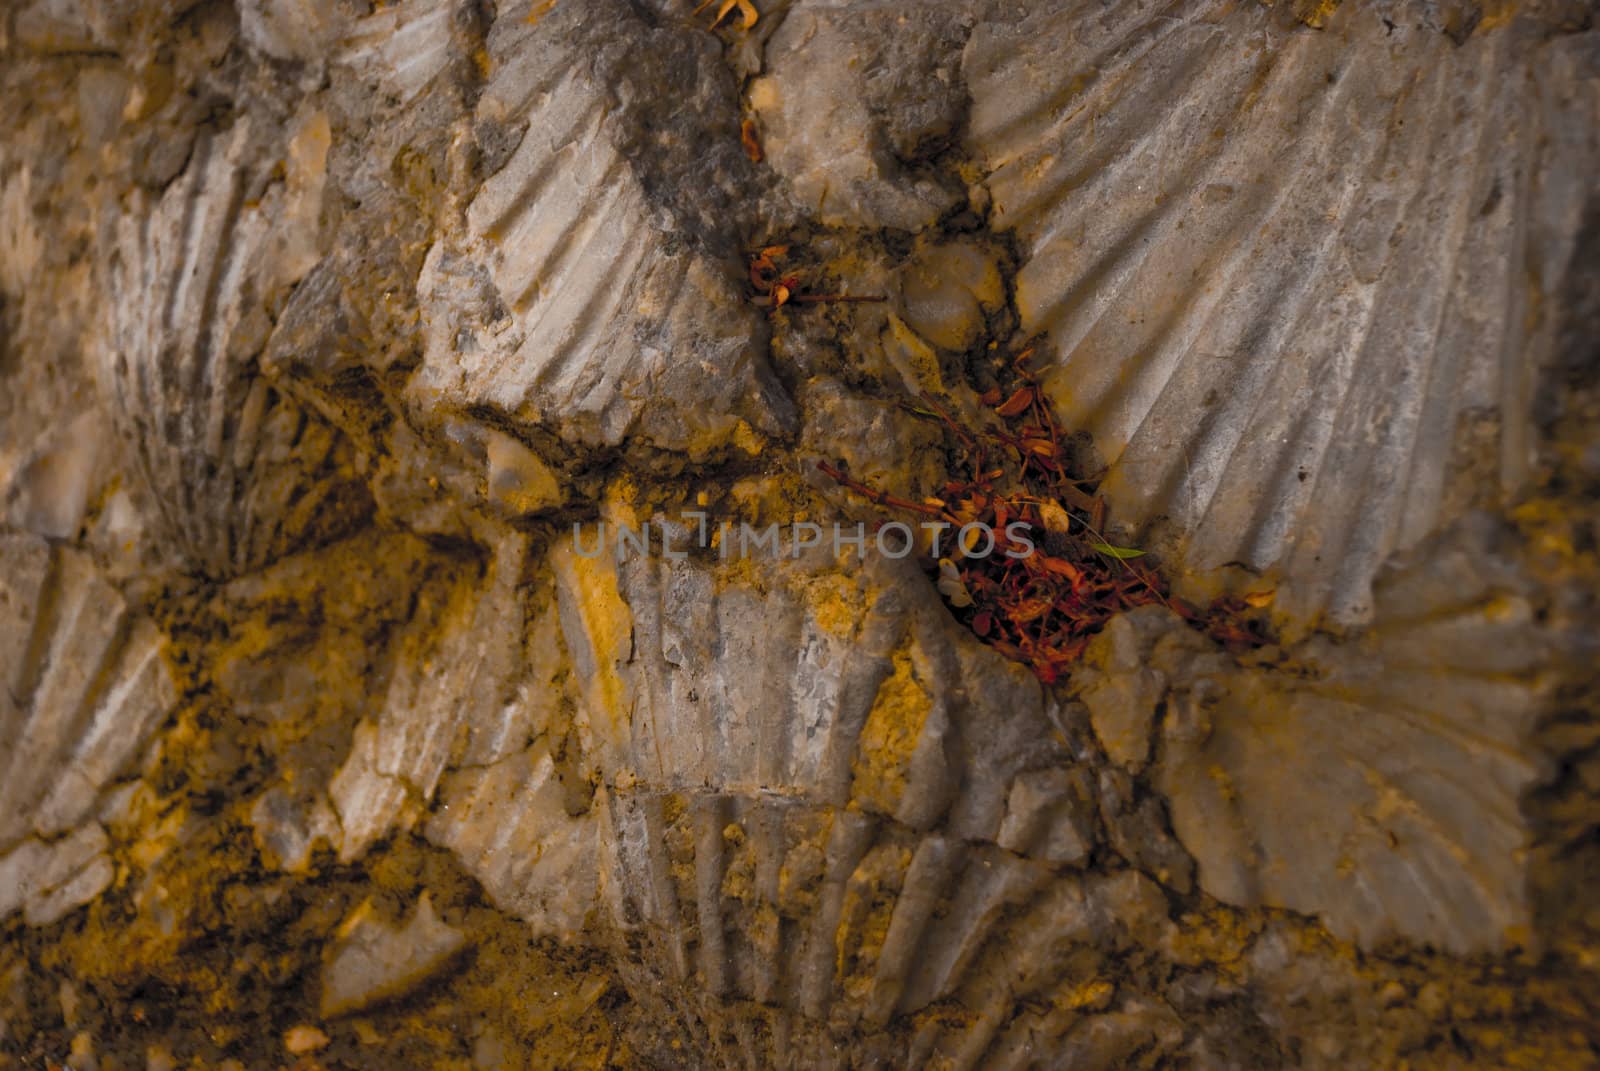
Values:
[(775, 287), (1018, 540), (747, 12)]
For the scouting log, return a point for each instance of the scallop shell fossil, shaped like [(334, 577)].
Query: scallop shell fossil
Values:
[(564, 302), (401, 48), (846, 841), (832, 839), (1337, 223), (460, 747), (84, 685), (1380, 788), (238, 472)]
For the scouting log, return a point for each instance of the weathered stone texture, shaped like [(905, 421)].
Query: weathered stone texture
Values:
[(333, 336)]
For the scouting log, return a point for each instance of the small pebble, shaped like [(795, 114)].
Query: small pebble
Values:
[(68, 996), (303, 1039), (81, 1057)]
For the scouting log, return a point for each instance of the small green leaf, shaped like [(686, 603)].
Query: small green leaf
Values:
[(1116, 552)]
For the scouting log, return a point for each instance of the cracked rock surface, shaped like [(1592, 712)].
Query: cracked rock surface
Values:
[(415, 654)]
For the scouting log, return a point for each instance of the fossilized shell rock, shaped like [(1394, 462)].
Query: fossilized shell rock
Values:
[(575, 297), (1281, 283), (400, 48), (238, 472), (84, 684), (454, 274), (295, 30), (947, 290), (850, 92), (527, 836), (47, 489), (48, 880), (809, 821), (459, 746), (455, 678), (1376, 785)]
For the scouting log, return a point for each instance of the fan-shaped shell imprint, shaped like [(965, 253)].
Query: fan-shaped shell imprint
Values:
[(84, 685), (1335, 224), (1313, 792), (825, 837), (563, 305), (238, 472)]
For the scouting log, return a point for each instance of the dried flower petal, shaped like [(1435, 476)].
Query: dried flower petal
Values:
[(1017, 403), (749, 139), (1054, 518), (950, 585)]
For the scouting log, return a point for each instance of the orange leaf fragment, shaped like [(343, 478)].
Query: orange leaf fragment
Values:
[(748, 138), (1017, 403), (1061, 567), (747, 12), (1031, 610)]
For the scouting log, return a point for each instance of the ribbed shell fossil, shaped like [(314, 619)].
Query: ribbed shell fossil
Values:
[(1297, 283), (1336, 224), (822, 840), (565, 302), (238, 472), (460, 659), (402, 48), (84, 684), (1380, 788)]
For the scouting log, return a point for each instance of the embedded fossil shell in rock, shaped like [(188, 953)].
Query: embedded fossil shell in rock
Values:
[(375, 961), (46, 491), (505, 809), (385, 296), (806, 823), (572, 300), (1277, 282), (1308, 789), (1380, 790), (402, 47), (459, 748), (18, 229), (84, 685), (849, 89), (456, 680), (947, 290), (239, 472), (288, 29), (511, 825)]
